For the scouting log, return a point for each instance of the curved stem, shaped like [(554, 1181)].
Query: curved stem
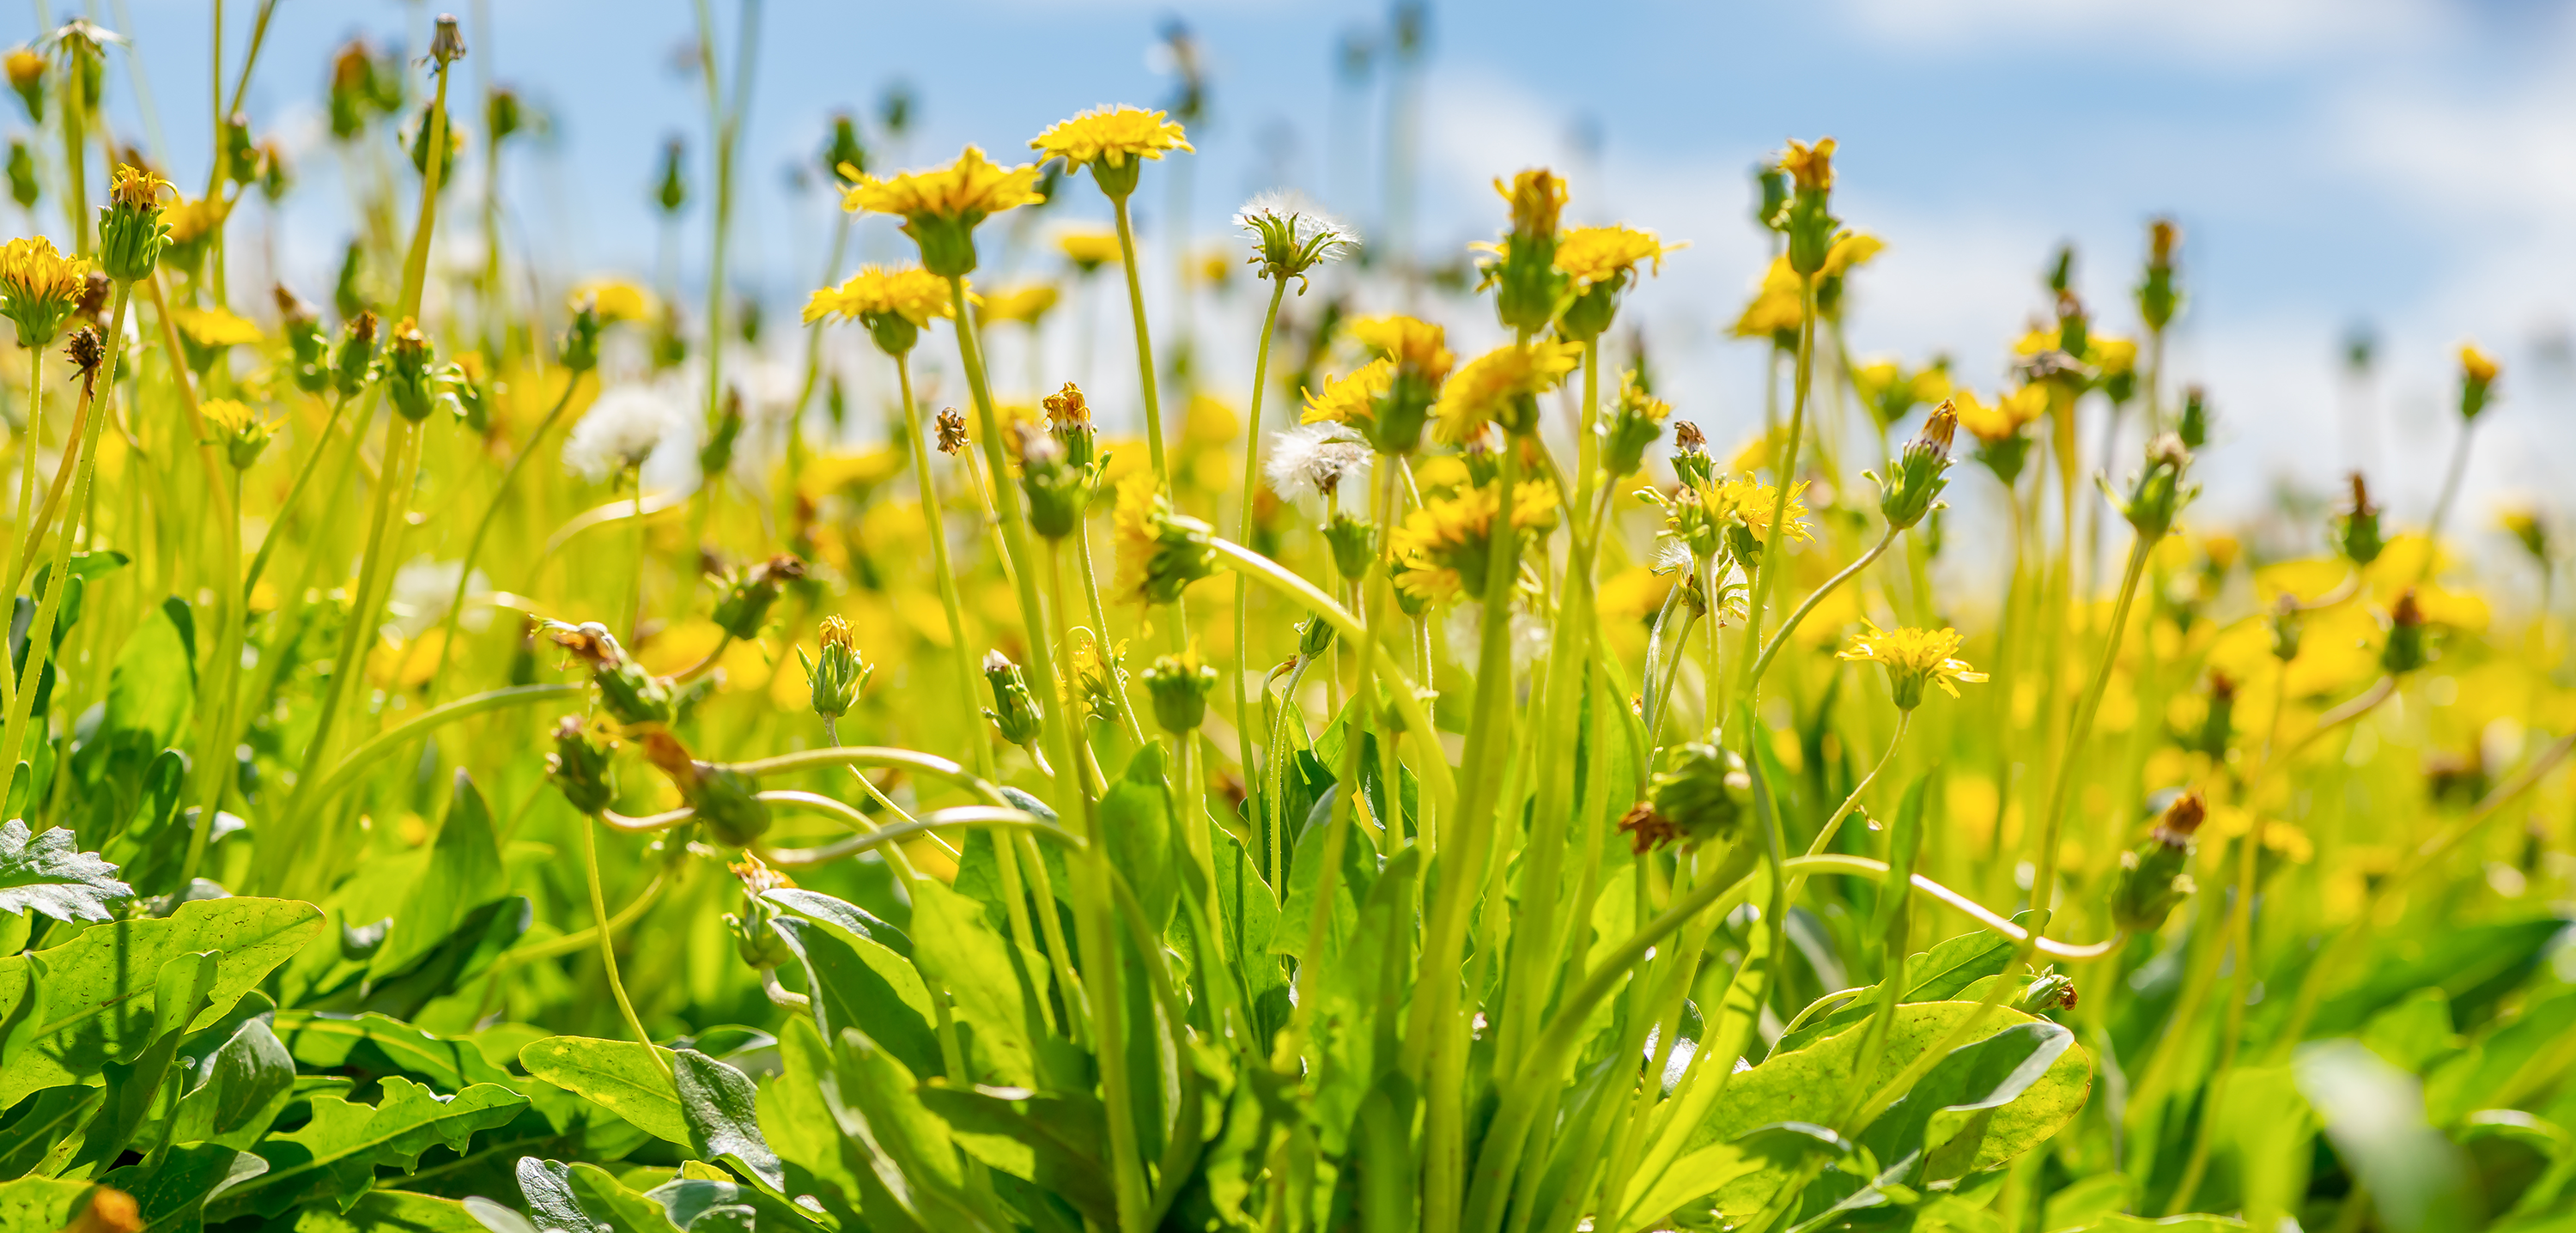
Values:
[(1786, 476), (348, 768), (1144, 348), (608, 949), (579, 938), (2451, 478), (483, 527), (1798, 615), (1825, 833), (1243, 530), (41, 629)]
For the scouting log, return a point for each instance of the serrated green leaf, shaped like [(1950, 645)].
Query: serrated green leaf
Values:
[(328, 1042), (389, 1211), (238, 1092), (616, 1075), (335, 1155), (49, 873), (171, 1194)]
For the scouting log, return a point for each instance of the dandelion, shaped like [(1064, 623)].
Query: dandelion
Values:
[(131, 230), (214, 327), (2525, 524), (1502, 387), (623, 428), (1777, 305), (942, 207), (39, 289), (27, 76), (1160, 553), (1889, 390), (1913, 658), (244, 432), (1315, 459), (1446, 544), (1633, 424), (1598, 264), (1088, 248), (1112, 142), (616, 299), (892, 302), (1024, 304), (1291, 235), (2477, 378)]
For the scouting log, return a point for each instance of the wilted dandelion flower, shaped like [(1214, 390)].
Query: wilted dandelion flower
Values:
[(1291, 235), (1316, 459), (941, 207), (623, 428), (1912, 658), (1446, 544), (952, 430), (1501, 387)]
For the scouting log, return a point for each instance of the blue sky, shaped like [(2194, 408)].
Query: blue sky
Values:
[(2403, 162)]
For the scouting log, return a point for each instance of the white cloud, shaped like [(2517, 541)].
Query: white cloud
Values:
[(2230, 32)]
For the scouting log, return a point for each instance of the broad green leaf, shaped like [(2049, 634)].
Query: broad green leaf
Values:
[(464, 874), (40, 1204), (1776, 1149), (133, 1089), (49, 873), (154, 681), (987, 980), (2414, 1034), (172, 1194), (238, 1093), (616, 1075), (98, 992), (2474, 964), (1937, 975), (1305, 875), (877, 1101), (389, 1211), (336, 1155), (610, 1203), (2194, 1222), (2509, 1063), (721, 1107), (795, 1119), (854, 920), (856, 983), (2087, 1201), (1944, 1119), (720, 1205), (31, 1131), (378, 1043), (2419, 1182), (1053, 1140), (547, 1186), (1135, 813)]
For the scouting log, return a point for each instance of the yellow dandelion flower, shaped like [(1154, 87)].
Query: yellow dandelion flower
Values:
[(618, 299), (1776, 304), (1811, 166), (909, 292), (1446, 544), (1088, 248), (137, 187), (2477, 365), (941, 207), (1850, 249), (1749, 501), (2004, 419), (1024, 303), (214, 327), (1589, 255), (1114, 137), (26, 69), (1159, 552), (2114, 355), (228, 414), (1496, 386), (39, 288), (1348, 399), (191, 221), (1408, 341), (1538, 199), (1913, 657)]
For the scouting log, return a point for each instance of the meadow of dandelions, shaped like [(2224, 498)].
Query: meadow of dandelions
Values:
[(525, 762)]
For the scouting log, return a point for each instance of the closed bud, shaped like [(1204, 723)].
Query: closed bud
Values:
[(1349, 539), (2285, 629), (750, 593), (630, 694), (1179, 686), (1314, 637), (2049, 991), (2477, 381), (131, 234), (23, 187), (726, 800), (1807, 219), (408, 383), (1015, 710), (579, 350), (447, 41), (838, 672), (2194, 424), (2357, 526), (2151, 881), (355, 361), (1527, 284), (1703, 796), (27, 77), (1915, 480), (1632, 425), (758, 945), (1691, 462), (2157, 296), (844, 157), (2406, 649), (579, 766), (673, 191), (2157, 493), (1059, 492), (717, 453)]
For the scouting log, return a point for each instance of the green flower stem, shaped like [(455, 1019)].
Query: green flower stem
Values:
[(1790, 626), (483, 527), (608, 945), (1094, 928), (40, 631), (568, 943), (1787, 477), (294, 494), (1243, 531), (28, 441), (215, 763), (2451, 477), (1125, 699), (1144, 348), (1587, 432)]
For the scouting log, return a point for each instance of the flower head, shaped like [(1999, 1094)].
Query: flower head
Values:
[(1023, 304), (1088, 248), (1160, 553), (41, 288), (1112, 142), (244, 432), (942, 207), (952, 430), (1409, 342), (1316, 459), (894, 303), (1352, 397), (130, 229), (1590, 255), (2477, 378), (138, 187), (1810, 167), (622, 428), (1633, 424), (1291, 235), (619, 299), (1537, 197), (214, 327), (1502, 387), (1775, 308), (1912, 658), (1445, 546)]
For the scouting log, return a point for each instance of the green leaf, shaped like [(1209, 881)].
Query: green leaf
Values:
[(851, 919), (154, 682), (2088, 1201), (616, 1075), (1305, 875), (987, 979), (1945, 1119), (32, 1130), (1937, 975), (40, 1204), (98, 991), (603, 1199), (336, 1155), (2191, 1223), (379, 1043), (241, 1090), (1776, 1151), (1051, 1139), (1135, 814), (2374, 1113), (721, 1106), (172, 1194), (857, 983), (49, 873), (547, 1186), (795, 1118), (464, 873), (389, 1211), (2509, 1063)]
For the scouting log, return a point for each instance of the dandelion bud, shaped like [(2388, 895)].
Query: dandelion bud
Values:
[(845, 158), (1349, 539), (244, 433), (2405, 650), (1179, 686), (23, 188), (408, 356), (131, 234), (1808, 219), (1015, 710), (1160, 553), (579, 766), (27, 77), (2477, 379), (2218, 724), (2193, 426), (952, 430), (2157, 494), (2151, 881), (505, 114), (2049, 991), (2528, 530), (1314, 636), (1527, 284), (838, 672), (2357, 527), (673, 192), (631, 694), (2157, 297), (2285, 629), (1631, 426), (447, 42), (717, 453), (1691, 462), (579, 350), (726, 801), (758, 945), (749, 594), (1703, 796), (1058, 492), (461, 390), (355, 362), (1771, 195), (1069, 418), (1914, 482)]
